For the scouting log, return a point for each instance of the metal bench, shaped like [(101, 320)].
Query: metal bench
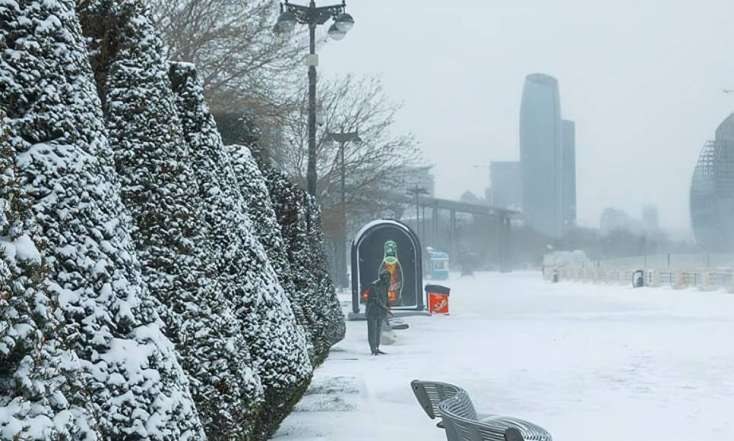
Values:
[(435, 396), (430, 394)]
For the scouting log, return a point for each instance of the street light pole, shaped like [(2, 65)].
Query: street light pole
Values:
[(343, 185), (312, 15), (341, 247), (417, 191), (341, 277), (311, 177)]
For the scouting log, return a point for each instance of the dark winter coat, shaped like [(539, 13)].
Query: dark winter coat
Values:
[(377, 299)]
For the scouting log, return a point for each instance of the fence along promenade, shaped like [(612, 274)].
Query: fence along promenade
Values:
[(707, 272)]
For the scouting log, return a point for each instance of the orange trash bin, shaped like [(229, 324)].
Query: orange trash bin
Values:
[(438, 299)]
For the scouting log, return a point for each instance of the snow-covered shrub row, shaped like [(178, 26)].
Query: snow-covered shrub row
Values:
[(299, 221), (331, 312), (146, 291), (289, 226), (260, 209), (174, 217), (277, 344), (82, 354)]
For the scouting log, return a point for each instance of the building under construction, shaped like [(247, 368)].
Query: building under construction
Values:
[(712, 191)]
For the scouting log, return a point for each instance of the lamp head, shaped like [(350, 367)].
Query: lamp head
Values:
[(344, 22), (286, 22), (335, 33)]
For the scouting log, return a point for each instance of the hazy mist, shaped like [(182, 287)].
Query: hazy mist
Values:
[(642, 79)]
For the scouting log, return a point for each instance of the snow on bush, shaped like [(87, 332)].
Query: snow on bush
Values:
[(288, 205), (82, 351), (172, 209), (301, 233), (331, 312), (27, 319), (277, 344), (267, 229)]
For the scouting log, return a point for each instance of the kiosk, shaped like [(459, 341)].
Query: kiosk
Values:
[(439, 262), (388, 246)]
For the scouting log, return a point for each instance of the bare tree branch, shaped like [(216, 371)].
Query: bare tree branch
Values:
[(373, 168), (242, 63)]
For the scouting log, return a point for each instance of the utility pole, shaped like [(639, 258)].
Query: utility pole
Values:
[(311, 177), (340, 259), (416, 191)]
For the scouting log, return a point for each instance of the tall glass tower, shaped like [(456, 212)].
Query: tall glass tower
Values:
[(712, 191), (541, 155)]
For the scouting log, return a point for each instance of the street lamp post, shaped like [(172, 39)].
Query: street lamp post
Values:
[(417, 191), (311, 15), (341, 247)]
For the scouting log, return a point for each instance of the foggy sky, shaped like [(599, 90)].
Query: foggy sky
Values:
[(642, 79)]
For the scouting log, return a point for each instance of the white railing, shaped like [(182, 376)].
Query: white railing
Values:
[(705, 279)]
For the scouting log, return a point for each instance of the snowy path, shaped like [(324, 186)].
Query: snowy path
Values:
[(588, 362)]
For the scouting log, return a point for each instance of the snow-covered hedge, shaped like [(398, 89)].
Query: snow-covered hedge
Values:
[(148, 290), (172, 211), (277, 344), (82, 352), (254, 189), (299, 221), (331, 312)]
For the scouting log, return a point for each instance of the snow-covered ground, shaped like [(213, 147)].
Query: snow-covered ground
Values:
[(587, 362)]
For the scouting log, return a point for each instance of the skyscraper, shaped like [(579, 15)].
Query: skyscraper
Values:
[(712, 191), (541, 154), (506, 184), (568, 173)]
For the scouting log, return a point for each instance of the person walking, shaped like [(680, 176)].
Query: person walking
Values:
[(377, 310)]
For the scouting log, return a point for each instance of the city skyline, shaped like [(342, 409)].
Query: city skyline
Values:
[(638, 71)]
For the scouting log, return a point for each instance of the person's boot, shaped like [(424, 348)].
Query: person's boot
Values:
[(379, 352)]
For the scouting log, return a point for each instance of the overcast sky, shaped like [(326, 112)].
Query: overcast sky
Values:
[(641, 78)]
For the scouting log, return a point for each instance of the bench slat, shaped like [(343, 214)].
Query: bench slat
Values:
[(459, 418), (430, 393)]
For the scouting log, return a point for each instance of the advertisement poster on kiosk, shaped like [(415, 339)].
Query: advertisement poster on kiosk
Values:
[(392, 247)]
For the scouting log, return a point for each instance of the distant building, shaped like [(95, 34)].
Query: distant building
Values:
[(712, 191), (568, 173), (506, 184), (541, 155)]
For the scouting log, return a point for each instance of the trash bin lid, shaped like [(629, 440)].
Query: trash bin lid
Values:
[(438, 289)]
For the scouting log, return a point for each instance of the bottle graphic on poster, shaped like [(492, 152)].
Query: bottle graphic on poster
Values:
[(391, 264)]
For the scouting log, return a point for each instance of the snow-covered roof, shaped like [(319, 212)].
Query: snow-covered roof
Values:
[(378, 222)]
